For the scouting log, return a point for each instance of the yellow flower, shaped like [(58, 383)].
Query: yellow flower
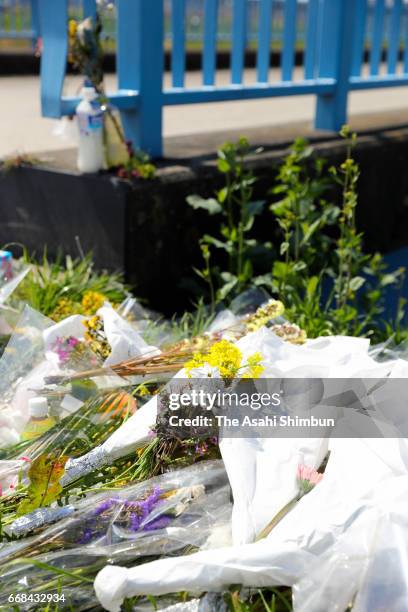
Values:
[(227, 357), (72, 27), (94, 323), (92, 301), (142, 390), (253, 366), (95, 337), (222, 355), (65, 307)]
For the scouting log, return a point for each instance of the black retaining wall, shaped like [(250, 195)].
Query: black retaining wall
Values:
[(148, 230)]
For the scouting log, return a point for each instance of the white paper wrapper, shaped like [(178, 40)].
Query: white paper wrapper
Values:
[(262, 472), (355, 488), (125, 341)]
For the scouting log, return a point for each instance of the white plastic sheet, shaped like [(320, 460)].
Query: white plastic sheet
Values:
[(341, 510), (326, 539)]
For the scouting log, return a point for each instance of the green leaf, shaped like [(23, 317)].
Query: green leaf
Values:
[(222, 195), (249, 224), (311, 286), (280, 269), (390, 279), (255, 208), (283, 248), (247, 271), (310, 231), (356, 283), (210, 205), (44, 474), (264, 280), (227, 288), (223, 165), (217, 243), (299, 266)]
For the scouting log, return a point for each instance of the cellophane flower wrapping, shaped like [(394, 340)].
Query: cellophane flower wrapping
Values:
[(179, 511)]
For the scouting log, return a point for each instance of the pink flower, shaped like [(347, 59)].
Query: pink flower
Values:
[(64, 346), (308, 478)]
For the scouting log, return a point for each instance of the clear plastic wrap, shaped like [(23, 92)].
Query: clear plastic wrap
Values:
[(366, 565), (12, 273), (181, 510), (41, 352), (19, 365), (329, 530)]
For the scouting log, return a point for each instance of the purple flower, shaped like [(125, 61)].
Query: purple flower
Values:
[(201, 448), (142, 509), (86, 536), (133, 513), (106, 505), (160, 522)]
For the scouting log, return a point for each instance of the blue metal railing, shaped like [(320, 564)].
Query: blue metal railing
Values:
[(335, 35)]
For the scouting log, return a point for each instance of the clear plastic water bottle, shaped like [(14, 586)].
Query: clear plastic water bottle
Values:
[(40, 420), (90, 126)]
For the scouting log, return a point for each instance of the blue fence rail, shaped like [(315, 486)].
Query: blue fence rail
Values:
[(335, 36)]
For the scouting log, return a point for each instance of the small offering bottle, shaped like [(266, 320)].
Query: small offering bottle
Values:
[(40, 421), (91, 154)]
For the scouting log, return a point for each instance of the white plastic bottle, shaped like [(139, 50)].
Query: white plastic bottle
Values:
[(90, 127), (40, 421)]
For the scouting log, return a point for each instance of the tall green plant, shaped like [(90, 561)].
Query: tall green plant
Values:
[(320, 270), (328, 282), (235, 205)]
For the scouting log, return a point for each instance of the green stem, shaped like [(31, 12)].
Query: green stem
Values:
[(277, 518)]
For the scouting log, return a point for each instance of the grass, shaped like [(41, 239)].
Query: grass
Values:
[(66, 279)]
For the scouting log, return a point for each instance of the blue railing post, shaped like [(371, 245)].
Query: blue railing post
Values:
[(140, 66), (335, 55), (54, 32), (89, 8)]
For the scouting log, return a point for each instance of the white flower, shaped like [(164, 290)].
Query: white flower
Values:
[(84, 26), (205, 371)]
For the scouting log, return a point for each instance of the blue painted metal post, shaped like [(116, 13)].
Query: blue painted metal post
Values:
[(336, 47), (394, 36), (178, 51), (377, 37), (360, 31), (264, 42), (140, 65), (289, 39), (53, 27), (89, 8), (210, 41), (239, 40), (311, 38)]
